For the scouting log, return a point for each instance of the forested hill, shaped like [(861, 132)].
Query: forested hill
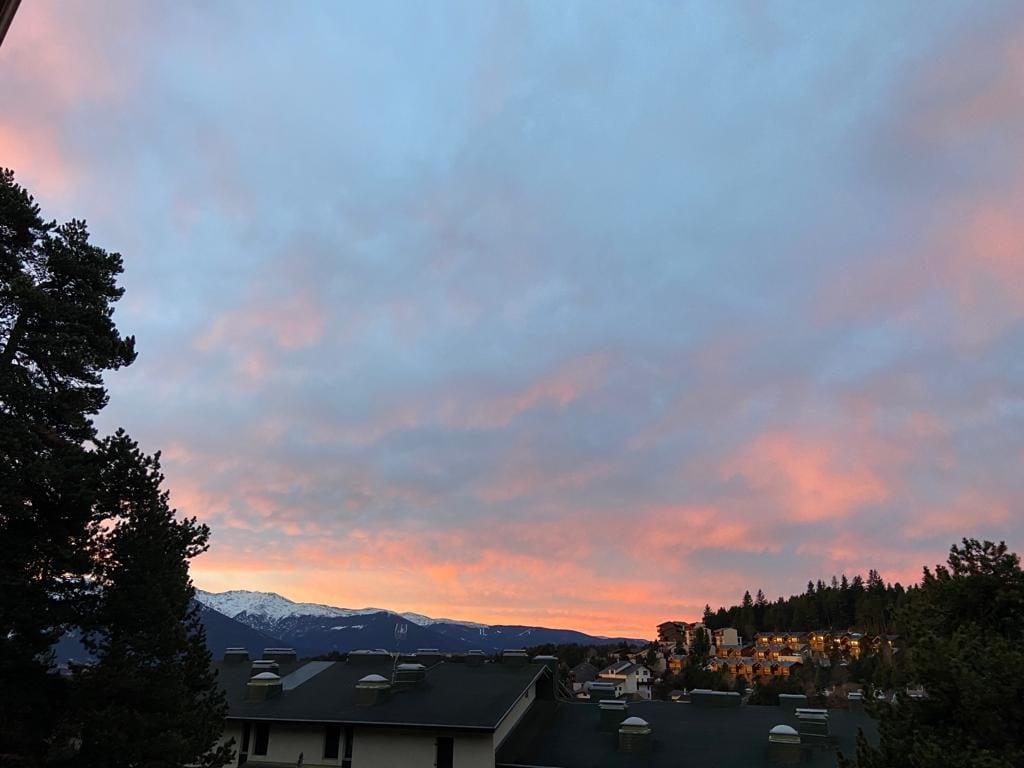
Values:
[(868, 605)]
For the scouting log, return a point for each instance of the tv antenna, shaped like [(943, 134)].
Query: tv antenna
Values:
[(401, 630)]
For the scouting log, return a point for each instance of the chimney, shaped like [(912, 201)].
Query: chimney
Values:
[(280, 655), (790, 702), (783, 745), (409, 675), (235, 655), (635, 736), (264, 686), (613, 712), (725, 699), (702, 697), (264, 665), (547, 688), (813, 725), (366, 658), (475, 658), (600, 689), (551, 662), (856, 699), (428, 656), (514, 657), (372, 689)]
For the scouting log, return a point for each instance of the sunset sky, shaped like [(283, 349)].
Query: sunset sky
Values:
[(573, 314)]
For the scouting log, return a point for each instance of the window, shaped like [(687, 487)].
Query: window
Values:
[(243, 755), (445, 752), (332, 735), (347, 754), (261, 737)]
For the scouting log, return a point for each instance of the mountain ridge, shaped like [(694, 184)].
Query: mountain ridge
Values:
[(321, 628)]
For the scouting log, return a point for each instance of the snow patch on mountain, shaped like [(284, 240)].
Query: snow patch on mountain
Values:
[(425, 621), (271, 605)]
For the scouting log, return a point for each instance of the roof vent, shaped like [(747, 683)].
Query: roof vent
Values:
[(783, 745), (280, 655), (475, 658), (613, 712), (372, 689), (635, 735), (235, 655), (263, 686), (514, 657)]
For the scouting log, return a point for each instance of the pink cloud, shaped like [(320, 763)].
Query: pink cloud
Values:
[(971, 509), (566, 384), (53, 65), (294, 322), (968, 246), (809, 479), (465, 404)]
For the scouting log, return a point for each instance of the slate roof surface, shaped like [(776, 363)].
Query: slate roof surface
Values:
[(620, 668), (452, 695), (584, 672), (684, 734)]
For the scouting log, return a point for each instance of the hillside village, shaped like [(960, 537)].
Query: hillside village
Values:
[(813, 663)]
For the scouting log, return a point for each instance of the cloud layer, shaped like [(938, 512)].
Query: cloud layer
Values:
[(569, 314)]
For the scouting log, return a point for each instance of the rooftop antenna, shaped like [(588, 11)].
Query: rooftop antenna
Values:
[(401, 630)]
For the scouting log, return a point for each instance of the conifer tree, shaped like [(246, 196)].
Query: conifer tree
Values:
[(964, 635), (700, 651), (151, 698), (57, 337)]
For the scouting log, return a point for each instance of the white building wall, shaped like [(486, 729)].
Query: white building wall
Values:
[(286, 741), (473, 752), (384, 749), (728, 635), (417, 749)]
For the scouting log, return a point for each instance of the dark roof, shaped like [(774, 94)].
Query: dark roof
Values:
[(453, 695), (620, 668), (722, 738), (583, 672)]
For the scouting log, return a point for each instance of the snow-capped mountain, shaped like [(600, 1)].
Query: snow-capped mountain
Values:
[(313, 628), (271, 605)]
